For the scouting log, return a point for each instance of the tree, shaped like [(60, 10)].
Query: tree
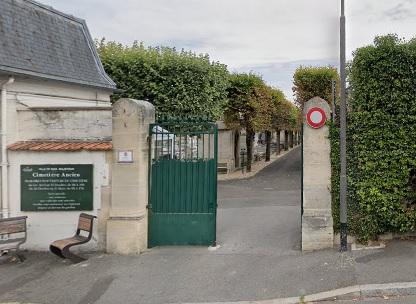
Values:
[(286, 116), (176, 83), (249, 107), (265, 115), (309, 82), (278, 115)]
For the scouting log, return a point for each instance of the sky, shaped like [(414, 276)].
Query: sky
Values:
[(269, 37)]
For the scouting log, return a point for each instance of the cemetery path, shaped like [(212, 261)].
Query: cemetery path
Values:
[(262, 214)]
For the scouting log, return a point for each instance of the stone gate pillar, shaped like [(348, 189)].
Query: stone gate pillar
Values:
[(317, 223), (127, 225)]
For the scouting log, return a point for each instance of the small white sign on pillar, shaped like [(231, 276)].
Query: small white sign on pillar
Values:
[(125, 156), (317, 222)]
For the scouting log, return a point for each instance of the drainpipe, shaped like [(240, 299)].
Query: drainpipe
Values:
[(4, 160)]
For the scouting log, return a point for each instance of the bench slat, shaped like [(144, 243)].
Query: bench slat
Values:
[(15, 218), (85, 223), (69, 241), (12, 226)]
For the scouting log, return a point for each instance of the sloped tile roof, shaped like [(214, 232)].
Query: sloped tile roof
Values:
[(36, 40), (64, 146)]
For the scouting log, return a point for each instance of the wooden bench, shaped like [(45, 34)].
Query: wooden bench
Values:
[(222, 168), (15, 229), (61, 247)]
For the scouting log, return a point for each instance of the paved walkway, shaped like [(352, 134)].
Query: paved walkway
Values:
[(262, 215), (256, 167), (259, 258)]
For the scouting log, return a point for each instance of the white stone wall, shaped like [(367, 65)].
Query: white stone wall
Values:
[(225, 146), (64, 125), (53, 110), (281, 135), (45, 227)]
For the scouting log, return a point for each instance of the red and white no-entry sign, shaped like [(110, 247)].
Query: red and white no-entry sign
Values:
[(316, 117)]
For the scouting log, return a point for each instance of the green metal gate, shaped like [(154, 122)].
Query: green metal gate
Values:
[(183, 183)]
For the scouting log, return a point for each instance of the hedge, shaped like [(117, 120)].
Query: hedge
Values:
[(381, 140), (178, 83), (309, 82)]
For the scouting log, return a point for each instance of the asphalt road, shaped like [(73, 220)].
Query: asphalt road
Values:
[(262, 214)]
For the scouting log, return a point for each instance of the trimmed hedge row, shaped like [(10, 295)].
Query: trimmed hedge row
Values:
[(177, 82), (381, 140)]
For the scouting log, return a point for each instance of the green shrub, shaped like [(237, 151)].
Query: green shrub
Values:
[(381, 139)]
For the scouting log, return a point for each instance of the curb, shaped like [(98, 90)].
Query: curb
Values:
[(367, 290)]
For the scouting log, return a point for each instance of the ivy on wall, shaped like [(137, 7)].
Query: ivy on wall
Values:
[(335, 172), (381, 145)]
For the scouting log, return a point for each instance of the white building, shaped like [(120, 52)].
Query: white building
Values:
[(55, 112)]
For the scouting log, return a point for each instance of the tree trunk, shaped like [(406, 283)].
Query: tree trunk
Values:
[(291, 139), (237, 163), (249, 143), (286, 140), (268, 145), (278, 141)]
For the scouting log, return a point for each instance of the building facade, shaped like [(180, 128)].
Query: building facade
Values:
[(56, 122)]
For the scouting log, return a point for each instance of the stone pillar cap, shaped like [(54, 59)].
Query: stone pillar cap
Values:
[(317, 102)]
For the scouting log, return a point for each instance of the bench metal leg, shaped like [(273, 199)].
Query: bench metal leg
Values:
[(66, 254), (71, 256), (56, 251), (21, 257)]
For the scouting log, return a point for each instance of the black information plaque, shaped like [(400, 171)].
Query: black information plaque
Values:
[(56, 187)]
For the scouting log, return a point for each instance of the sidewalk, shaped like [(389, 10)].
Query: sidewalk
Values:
[(256, 167), (192, 275)]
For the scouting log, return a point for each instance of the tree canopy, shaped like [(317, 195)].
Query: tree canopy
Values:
[(249, 103), (177, 83), (256, 107), (309, 82), (253, 103), (286, 116)]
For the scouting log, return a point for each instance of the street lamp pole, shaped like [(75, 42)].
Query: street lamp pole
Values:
[(343, 134)]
